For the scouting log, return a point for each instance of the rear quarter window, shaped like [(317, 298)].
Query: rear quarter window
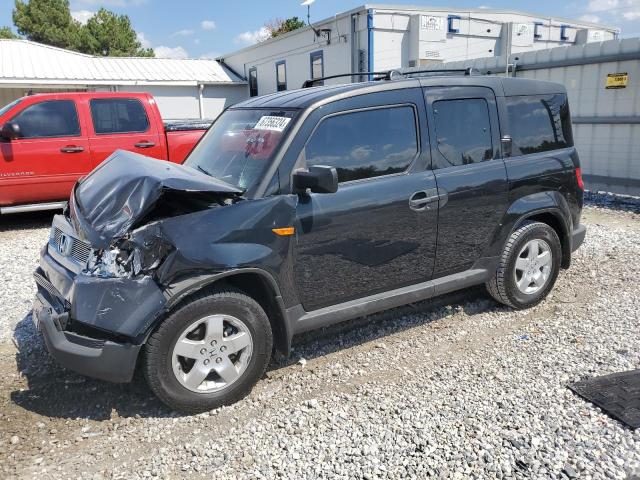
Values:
[(539, 123), (463, 130)]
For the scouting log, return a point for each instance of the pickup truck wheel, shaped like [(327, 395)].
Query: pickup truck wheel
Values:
[(210, 352), (528, 267)]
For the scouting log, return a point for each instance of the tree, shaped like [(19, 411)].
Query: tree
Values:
[(279, 26), (47, 21), (5, 32), (50, 22), (112, 34)]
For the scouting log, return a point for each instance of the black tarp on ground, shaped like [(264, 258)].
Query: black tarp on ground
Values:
[(617, 394)]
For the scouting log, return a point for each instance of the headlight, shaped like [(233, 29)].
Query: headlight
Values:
[(114, 262)]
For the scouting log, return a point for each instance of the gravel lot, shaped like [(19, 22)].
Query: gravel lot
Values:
[(456, 388)]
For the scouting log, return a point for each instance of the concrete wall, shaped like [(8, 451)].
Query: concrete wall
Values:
[(218, 97), (173, 102), (8, 95)]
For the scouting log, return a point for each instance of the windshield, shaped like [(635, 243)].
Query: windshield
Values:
[(240, 145), (8, 107)]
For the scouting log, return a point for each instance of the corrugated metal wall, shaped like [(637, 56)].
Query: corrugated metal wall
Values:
[(606, 121)]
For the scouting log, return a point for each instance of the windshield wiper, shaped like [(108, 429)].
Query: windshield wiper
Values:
[(206, 172)]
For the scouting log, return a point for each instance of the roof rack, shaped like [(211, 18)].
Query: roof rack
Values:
[(391, 74), (383, 76), (465, 71)]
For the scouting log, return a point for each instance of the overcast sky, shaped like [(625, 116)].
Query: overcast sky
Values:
[(207, 28)]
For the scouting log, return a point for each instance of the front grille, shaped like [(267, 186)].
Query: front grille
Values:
[(42, 281), (79, 250)]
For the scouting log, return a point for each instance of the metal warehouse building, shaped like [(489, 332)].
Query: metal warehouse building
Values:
[(182, 88), (382, 37)]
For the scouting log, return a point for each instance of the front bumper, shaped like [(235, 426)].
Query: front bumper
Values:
[(92, 325), (103, 359), (123, 306)]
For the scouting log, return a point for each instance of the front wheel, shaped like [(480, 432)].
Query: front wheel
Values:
[(210, 352), (528, 267)]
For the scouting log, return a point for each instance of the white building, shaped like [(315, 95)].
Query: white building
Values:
[(182, 88), (382, 37)]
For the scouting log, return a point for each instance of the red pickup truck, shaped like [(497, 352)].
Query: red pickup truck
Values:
[(48, 141)]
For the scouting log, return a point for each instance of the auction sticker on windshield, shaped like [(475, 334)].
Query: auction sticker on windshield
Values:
[(275, 124)]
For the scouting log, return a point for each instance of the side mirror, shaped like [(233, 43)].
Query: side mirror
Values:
[(318, 179), (10, 131), (507, 145)]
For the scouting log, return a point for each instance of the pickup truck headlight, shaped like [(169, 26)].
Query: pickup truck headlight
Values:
[(114, 263)]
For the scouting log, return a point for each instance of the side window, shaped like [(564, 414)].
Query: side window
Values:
[(118, 115), (55, 118), (365, 144), (317, 66), (281, 76), (539, 123), (253, 82), (463, 130)]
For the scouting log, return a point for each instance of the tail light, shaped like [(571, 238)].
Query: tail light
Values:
[(579, 178)]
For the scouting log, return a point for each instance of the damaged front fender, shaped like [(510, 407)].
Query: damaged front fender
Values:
[(158, 232)]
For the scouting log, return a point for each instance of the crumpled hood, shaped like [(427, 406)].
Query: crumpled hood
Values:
[(126, 187)]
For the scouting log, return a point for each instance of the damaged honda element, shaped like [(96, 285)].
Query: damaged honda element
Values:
[(305, 208)]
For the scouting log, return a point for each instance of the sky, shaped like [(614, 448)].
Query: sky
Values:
[(209, 28)]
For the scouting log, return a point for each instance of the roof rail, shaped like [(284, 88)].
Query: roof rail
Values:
[(383, 76), (392, 74), (465, 71)]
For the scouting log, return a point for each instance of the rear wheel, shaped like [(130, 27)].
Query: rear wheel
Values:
[(528, 267), (210, 352)]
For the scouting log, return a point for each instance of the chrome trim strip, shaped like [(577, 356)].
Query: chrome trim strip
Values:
[(35, 207)]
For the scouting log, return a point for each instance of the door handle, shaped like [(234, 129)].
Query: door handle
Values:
[(72, 149), (144, 144), (420, 200)]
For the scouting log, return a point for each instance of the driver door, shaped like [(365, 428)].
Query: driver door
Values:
[(378, 231)]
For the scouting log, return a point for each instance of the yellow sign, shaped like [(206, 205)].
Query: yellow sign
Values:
[(617, 80)]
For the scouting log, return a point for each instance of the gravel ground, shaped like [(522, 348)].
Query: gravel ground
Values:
[(459, 387)]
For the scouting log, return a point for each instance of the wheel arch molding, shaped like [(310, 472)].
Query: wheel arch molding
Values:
[(547, 207), (255, 282)]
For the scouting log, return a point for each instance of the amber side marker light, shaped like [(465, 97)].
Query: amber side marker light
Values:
[(579, 178), (284, 231)]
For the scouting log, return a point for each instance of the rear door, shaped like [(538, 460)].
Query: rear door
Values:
[(123, 123), (470, 173), (378, 231), (50, 155)]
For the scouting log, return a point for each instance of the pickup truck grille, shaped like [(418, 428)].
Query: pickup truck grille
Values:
[(79, 250)]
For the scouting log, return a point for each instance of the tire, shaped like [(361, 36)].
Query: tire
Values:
[(518, 264), (181, 351)]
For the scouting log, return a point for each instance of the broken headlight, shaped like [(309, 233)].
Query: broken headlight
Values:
[(114, 262)]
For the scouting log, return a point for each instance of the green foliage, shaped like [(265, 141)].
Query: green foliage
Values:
[(5, 32), (278, 26), (112, 34), (50, 22), (47, 21)]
